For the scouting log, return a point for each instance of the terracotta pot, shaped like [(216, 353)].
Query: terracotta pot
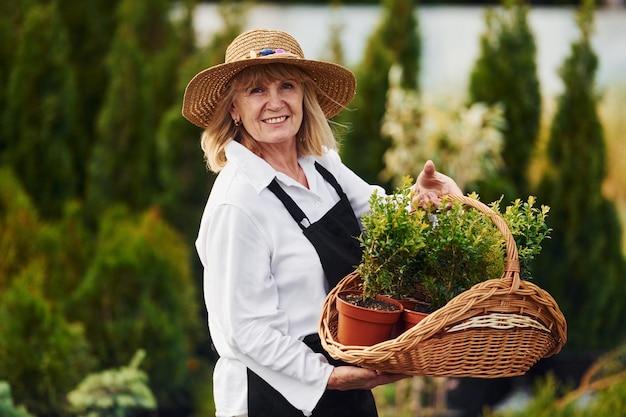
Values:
[(410, 318), (359, 326)]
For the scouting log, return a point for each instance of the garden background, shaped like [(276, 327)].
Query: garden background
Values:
[(102, 182)]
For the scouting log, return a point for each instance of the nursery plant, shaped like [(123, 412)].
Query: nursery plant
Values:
[(527, 223), (434, 254), (461, 259), (463, 247), (392, 237)]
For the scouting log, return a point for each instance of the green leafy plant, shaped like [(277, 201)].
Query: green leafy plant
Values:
[(527, 224), (391, 238), (7, 407), (434, 255), (114, 393), (463, 247)]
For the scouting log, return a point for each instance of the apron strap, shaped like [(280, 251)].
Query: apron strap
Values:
[(330, 179), (291, 206)]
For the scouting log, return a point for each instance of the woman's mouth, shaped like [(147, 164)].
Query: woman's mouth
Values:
[(275, 120)]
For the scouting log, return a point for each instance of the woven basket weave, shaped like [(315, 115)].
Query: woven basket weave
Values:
[(497, 328)]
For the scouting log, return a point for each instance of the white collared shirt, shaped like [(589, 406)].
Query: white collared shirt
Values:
[(264, 285)]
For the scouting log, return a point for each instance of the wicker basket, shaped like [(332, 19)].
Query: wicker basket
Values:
[(497, 328)]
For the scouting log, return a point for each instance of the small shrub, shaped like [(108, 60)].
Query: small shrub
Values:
[(7, 408), (392, 235), (463, 247), (113, 393)]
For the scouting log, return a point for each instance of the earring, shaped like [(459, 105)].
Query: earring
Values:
[(237, 123)]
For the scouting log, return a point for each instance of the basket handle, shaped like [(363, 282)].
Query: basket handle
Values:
[(511, 265)]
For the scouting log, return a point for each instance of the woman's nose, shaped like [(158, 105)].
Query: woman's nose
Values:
[(274, 99)]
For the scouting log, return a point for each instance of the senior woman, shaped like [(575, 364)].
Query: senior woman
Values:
[(278, 231)]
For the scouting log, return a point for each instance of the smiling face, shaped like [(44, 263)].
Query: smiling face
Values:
[(269, 106)]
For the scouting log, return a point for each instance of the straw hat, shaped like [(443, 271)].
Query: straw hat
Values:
[(336, 84)]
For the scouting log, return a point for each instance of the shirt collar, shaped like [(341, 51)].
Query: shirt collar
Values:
[(256, 169)]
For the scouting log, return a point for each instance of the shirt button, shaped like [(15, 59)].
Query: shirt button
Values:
[(318, 203)]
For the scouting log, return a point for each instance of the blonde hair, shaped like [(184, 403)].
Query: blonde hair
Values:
[(315, 133)]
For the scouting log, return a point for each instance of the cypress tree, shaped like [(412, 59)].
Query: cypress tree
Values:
[(396, 41), (11, 20), (583, 265), (90, 25), (183, 170), (40, 113), (142, 66), (506, 73)]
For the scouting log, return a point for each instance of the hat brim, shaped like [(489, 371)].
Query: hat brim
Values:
[(336, 85)]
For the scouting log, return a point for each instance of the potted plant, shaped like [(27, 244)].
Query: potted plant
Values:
[(463, 247), (430, 256), (392, 234)]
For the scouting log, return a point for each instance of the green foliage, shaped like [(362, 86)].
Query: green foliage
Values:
[(41, 352), (124, 162), (609, 402), (113, 393), (506, 73), (90, 25), (7, 408), (126, 285), (463, 247), (138, 293), (64, 248), (395, 41), (98, 83), (11, 16), (39, 119), (140, 127), (528, 227), (583, 267), (42, 355), (438, 254), (19, 222), (182, 169), (391, 236), (67, 246)]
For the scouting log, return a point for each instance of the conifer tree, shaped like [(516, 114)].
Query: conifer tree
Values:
[(11, 20), (583, 265), (183, 169), (506, 73), (143, 63), (396, 41), (40, 114), (138, 293), (90, 25), (42, 355)]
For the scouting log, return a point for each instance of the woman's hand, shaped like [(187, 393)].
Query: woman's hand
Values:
[(431, 185), (352, 377)]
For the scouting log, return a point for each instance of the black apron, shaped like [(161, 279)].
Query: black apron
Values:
[(334, 238)]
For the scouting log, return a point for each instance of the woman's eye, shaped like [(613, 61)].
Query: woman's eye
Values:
[(256, 90), (287, 85)]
